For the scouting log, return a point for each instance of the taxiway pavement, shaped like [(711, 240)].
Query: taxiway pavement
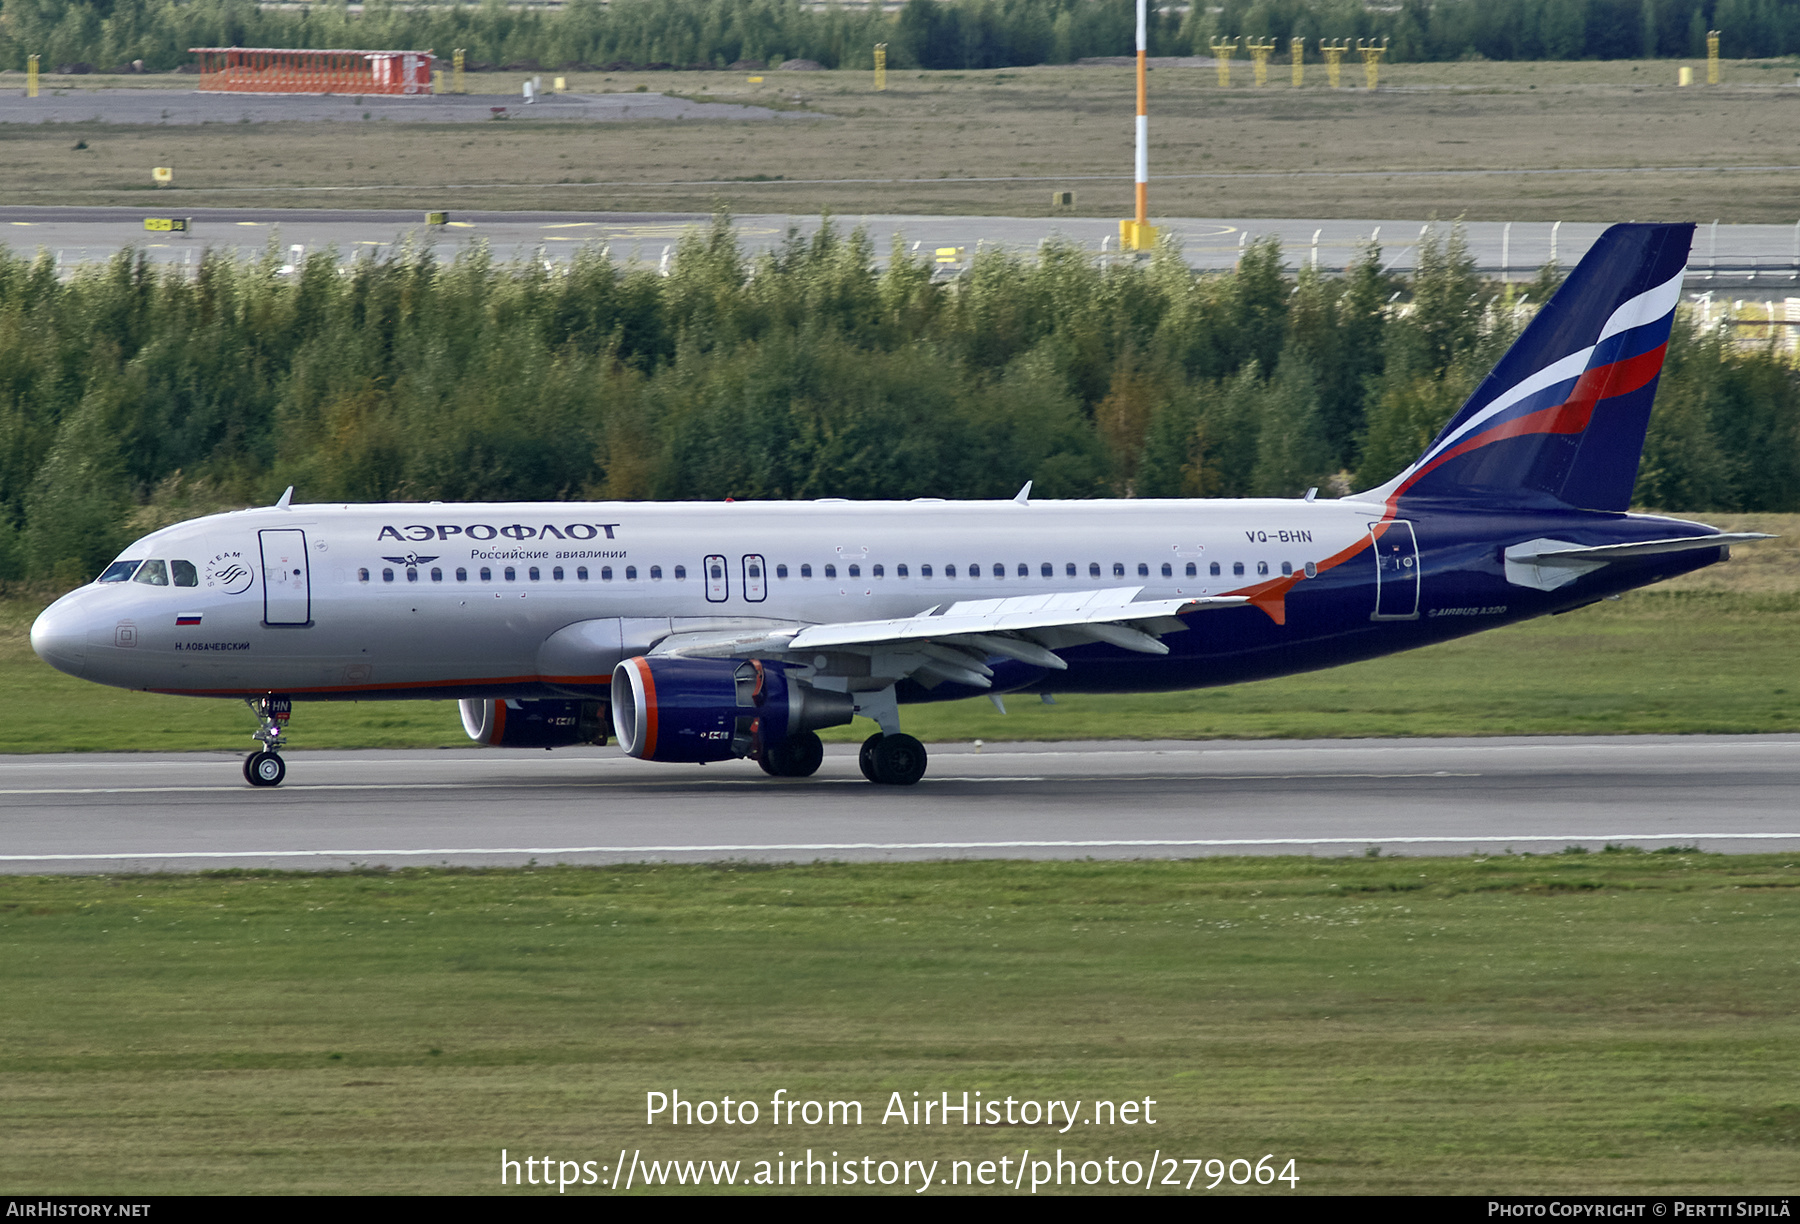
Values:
[(1761, 259)]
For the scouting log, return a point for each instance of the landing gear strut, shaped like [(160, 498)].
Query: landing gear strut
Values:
[(265, 767), (892, 760)]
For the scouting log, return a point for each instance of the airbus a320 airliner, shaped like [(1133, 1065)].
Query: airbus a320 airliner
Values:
[(704, 632)]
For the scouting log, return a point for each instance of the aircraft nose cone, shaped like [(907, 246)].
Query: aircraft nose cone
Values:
[(60, 639)]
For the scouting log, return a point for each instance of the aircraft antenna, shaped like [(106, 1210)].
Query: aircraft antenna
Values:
[(281, 503)]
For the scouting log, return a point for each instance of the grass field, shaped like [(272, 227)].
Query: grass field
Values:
[(1613, 1022), (956, 138), (1717, 651)]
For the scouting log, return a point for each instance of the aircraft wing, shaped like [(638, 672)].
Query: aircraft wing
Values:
[(954, 643)]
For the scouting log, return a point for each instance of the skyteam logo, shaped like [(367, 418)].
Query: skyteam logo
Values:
[(228, 574)]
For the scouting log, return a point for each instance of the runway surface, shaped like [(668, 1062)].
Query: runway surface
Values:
[(1104, 800), (1756, 257)]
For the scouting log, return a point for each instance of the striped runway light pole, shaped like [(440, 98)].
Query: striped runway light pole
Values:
[(1139, 234)]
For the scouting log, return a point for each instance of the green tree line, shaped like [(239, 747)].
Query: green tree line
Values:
[(132, 395), (923, 33)]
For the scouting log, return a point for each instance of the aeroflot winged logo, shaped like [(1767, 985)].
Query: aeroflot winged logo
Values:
[(227, 574), (420, 532)]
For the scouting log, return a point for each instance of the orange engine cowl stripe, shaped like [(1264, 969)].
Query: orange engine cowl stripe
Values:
[(647, 716)]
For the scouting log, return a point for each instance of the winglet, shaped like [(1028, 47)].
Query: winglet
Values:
[(1023, 496), (282, 502)]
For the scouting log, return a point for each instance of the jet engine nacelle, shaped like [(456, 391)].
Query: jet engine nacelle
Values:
[(675, 709), (534, 724)]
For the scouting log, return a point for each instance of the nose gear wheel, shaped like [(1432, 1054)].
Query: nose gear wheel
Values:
[(264, 769)]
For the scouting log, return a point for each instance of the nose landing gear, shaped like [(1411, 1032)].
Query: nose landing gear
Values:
[(265, 767)]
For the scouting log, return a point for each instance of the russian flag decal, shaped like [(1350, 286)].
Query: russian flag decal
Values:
[(187, 618)]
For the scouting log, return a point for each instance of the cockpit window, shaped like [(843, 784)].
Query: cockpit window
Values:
[(152, 573), (185, 573), (119, 571)]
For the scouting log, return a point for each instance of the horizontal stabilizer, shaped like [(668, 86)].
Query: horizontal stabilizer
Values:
[(1648, 548), (1548, 564)]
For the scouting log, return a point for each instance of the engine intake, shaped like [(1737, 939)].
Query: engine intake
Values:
[(674, 709), (534, 724)]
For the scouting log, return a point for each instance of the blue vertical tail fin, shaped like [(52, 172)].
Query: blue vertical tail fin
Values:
[(1561, 419)]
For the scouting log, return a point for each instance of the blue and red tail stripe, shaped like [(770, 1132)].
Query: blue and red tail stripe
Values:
[(1561, 419)]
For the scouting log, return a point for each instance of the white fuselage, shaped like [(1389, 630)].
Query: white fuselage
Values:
[(383, 600)]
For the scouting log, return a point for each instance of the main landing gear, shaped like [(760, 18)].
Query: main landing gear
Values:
[(797, 756), (892, 760), (265, 767)]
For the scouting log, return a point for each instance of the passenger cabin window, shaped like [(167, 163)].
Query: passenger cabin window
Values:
[(487, 575), (631, 573), (856, 571), (1093, 569), (806, 570), (1025, 570), (556, 574), (1312, 570), (1213, 569), (1069, 570), (387, 575), (656, 573), (1237, 569), (362, 575), (1047, 570), (1192, 570), (781, 571), (949, 571), (1168, 571), (185, 574), (462, 573), (437, 575), (1118, 569), (1262, 567), (880, 571), (606, 573), (412, 575), (512, 575), (900, 570), (581, 573), (831, 571), (119, 571), (681, 573), (532, 573), (153, 573), (924, 571), (1287, 567), (999, 569), (1143, 569)]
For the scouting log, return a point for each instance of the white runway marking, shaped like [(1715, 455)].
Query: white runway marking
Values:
[(564, 782), (817, 847)]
